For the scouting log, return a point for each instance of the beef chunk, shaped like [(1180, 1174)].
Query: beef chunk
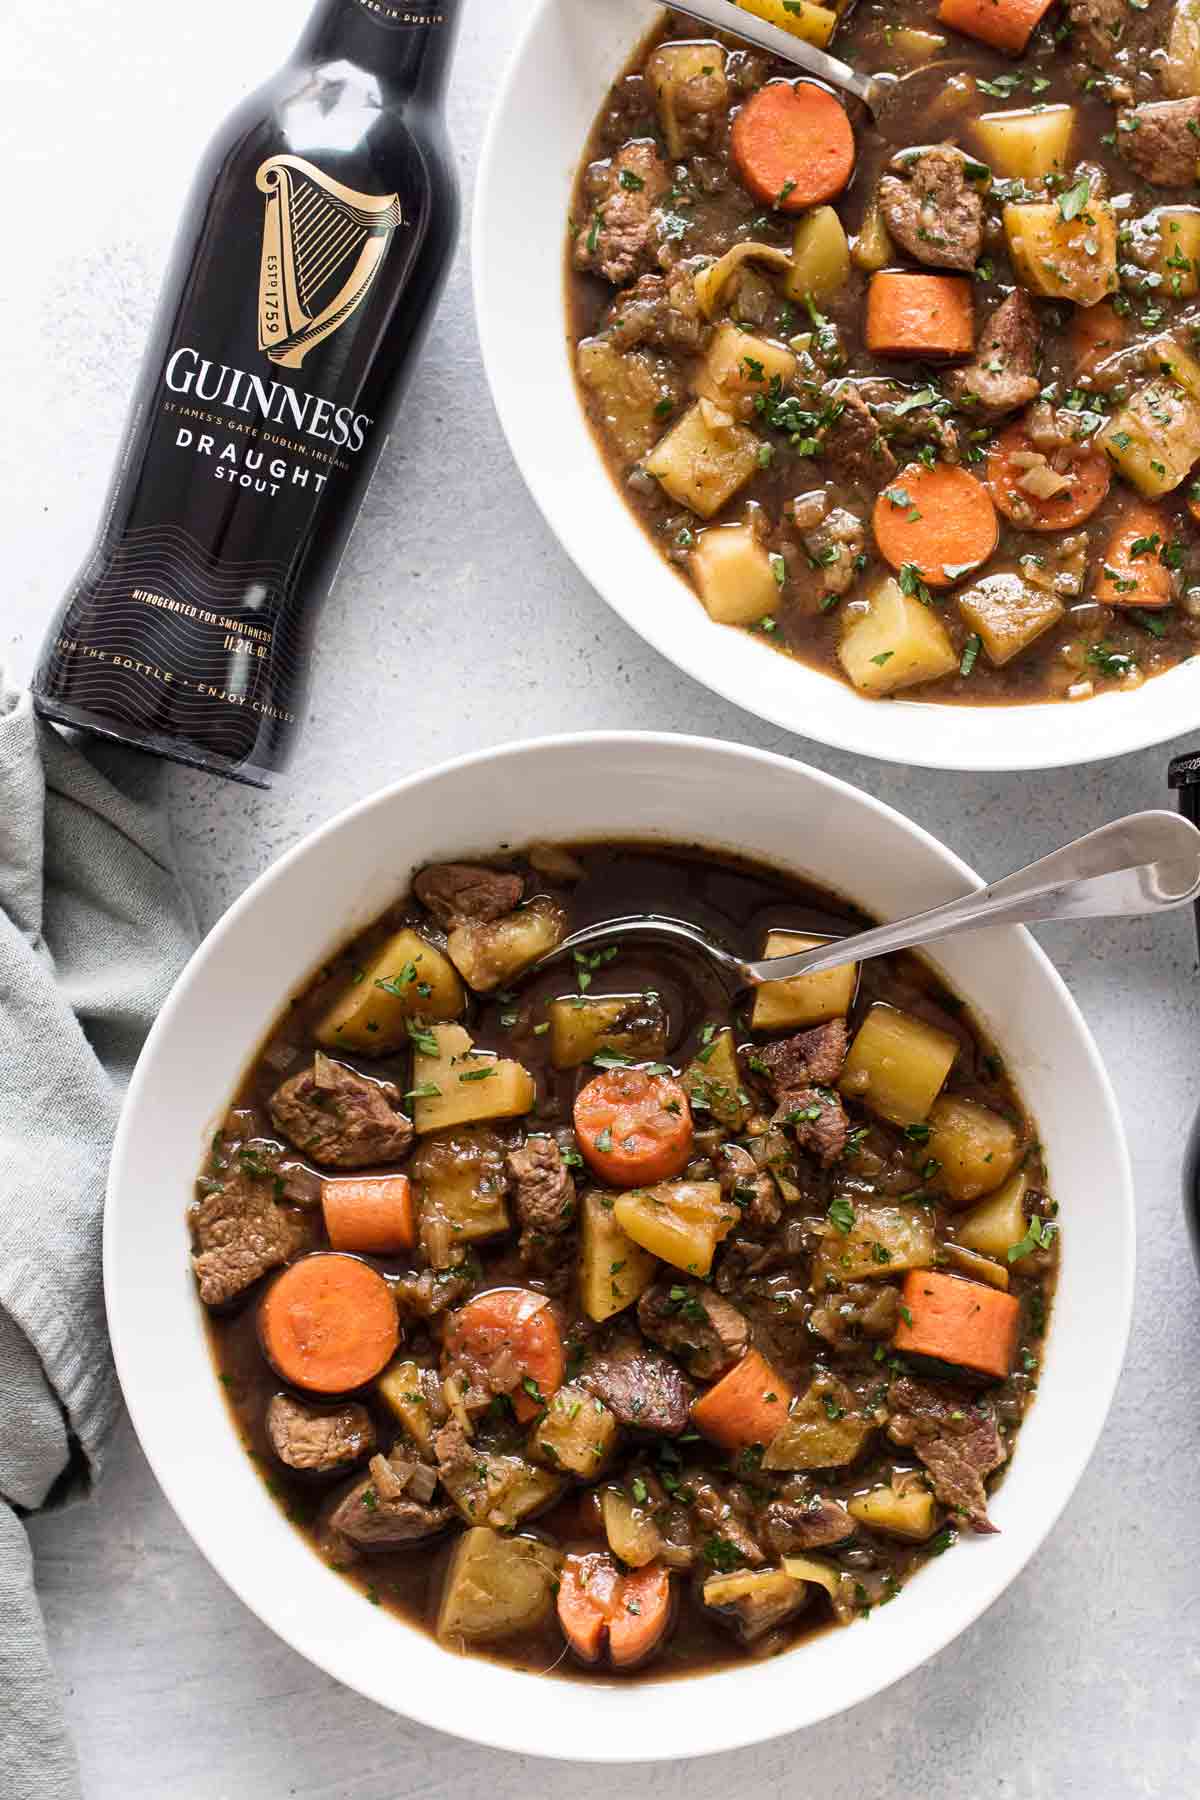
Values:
[(955, 1438), (706, 1333), (790, 1526), (544, 1196), (900, 421), (306, 1437), (425, 1294), (642, 1389), (617, 240), (818, 1119), (457, 892), (661, 310), (1097, 27), (749, 1187), (862, 1309), (808, 1057), (723, 1513), (342, 1119), (932, 210), (239, 1232), (835, 546), (1161, 141), (1003, 375), (379, 1513), (852, 446)]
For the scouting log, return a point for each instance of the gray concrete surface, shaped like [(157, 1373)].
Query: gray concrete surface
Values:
[(459, 623)]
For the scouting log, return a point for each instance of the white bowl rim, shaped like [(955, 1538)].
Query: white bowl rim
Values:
[(436, 1710), (988, 739)]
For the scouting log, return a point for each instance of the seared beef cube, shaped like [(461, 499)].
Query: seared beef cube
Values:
[(706, 1333), (342, 1119), (661, 310), (749, 1187), (239, 1232), (818, 1119), (1097, 28), (954, 1436), (455, 892), (791, 1527), (834, 548), (932, 210), (643, 1390), (1003, 375), (306, 1437), (862, 1309), (723, 1513), (544, 1197), (617, 239), (809, 1057), (380, 1514), (425, 1295), (852, 447), (1161, 141)]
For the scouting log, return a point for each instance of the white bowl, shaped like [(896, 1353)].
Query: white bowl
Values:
[(569, 53), (599, 785)]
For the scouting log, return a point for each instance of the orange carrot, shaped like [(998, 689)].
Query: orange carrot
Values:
[(1193, 505), (960, 1322), (328, 1323), (371, 1214), (1095, 332), (602, 1605), (634, 1128), (1006, 24), (941, 520), (521, 1324), (1089, 476), (920, 315), (747, 1406), (793, 145), (1133, 573)]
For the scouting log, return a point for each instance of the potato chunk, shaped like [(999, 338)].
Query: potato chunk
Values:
[(490, 954), (897, 1065), (406, 979), (820, 256), (1009, 614), (1169, 239), (682, 1222), (805, 999), (894, 642), (1028, 143), (910, 1515), (882, 1241), (704, 459), (996, 1224), (755, 1600), (1180, 72), (975, 1146), (803, 18), (1063, 259), (462, 1182), (821, 1431), (455, 1084), (712, 1082), (634, 1024), (630, 390), (613, 1270), (496, 1586), (1155, 437), (407, 1391), (668, 72), (739, 366), (733, 575), (577, 1433), (630, 1529), (498, 1490)]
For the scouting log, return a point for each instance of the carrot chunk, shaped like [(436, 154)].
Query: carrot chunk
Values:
[(747, 1406), (602, 1606), (793, 145), (634, 1128), (516, 1326), (941, 520), (920, 315), (1133, 573), (1088, 477), (960, 1322), (371, 1215), (328, 1323), (1006, 24)]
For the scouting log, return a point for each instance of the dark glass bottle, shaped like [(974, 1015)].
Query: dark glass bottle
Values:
[(313, 248), (1184, 777)]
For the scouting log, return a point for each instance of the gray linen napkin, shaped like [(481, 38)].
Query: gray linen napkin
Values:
[(94, 928)]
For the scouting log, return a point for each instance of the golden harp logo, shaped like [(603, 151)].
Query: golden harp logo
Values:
[(322, 247)]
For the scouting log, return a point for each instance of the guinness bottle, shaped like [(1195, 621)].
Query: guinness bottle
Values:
[(313, 248)]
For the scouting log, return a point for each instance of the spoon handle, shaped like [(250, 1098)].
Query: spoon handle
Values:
[(1146, 863), (725, 16)]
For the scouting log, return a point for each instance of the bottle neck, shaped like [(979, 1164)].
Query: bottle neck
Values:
[(408, 44)]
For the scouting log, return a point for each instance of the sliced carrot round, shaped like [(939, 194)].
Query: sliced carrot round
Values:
[(748, 1406), (369, 1215), (602, 1607), (1089, 475), (940, 520), (793, 145), (634, 1128), (512, 1329), (328, 1323), (1133, 572)]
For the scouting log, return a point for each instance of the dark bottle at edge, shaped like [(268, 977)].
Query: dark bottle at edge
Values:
[(314, 246), (1184, 778)]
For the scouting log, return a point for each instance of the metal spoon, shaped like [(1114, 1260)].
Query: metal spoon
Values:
[(1147, 863), (725, 16)]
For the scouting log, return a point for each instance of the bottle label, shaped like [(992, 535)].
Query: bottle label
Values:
[(400, 17)]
